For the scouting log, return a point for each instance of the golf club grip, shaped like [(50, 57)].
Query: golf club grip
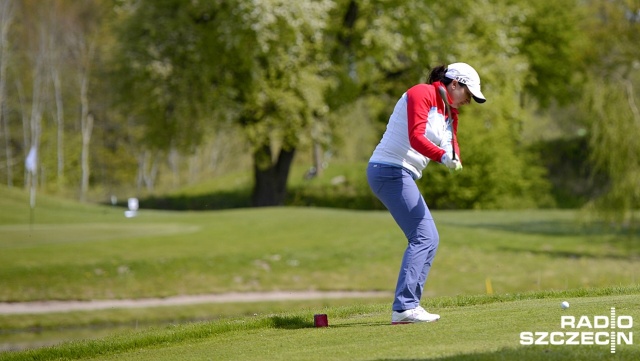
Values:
[(445, 100)]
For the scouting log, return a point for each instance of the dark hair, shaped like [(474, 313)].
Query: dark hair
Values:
[(437, 74)]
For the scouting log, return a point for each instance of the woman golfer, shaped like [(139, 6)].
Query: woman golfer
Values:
[(421, 128)]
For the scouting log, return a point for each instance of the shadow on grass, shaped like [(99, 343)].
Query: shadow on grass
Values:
[(290, 323), (575, 255), (623, 243), (328, 198), (558, 228), (360, 324), (536, 353), (297, 322), (206, 202)]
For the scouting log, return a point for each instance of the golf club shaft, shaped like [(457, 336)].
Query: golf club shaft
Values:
[(443, 95)]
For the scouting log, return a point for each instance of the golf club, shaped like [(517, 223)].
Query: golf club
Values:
[(443, 95)]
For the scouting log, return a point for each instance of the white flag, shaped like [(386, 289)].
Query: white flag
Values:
[(32, 159)]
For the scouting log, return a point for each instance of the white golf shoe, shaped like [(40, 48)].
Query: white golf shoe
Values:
[(417, 314)]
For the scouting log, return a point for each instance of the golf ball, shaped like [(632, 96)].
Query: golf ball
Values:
[(564, 305)]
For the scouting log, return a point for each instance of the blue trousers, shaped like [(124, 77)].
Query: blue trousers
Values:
[(397, 190)]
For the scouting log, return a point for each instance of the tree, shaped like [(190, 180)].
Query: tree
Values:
[(611, 106), (56, 48), (258, 64), (84, 34), (45, 59), (393, 47), (554, 43), (276, 68), (6, 18), (37, 56), (282, 92)]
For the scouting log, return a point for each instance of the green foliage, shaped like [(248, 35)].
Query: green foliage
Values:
[(282, 84), (611, 109), (614, 152), (382, 47), (163, 71), (342, 185), (497, 173), (237, 198), (567, 160), (554, 44), (281, 91), (258, 63), (167, 75)]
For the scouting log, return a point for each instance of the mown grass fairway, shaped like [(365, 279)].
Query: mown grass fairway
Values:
[(84, 252), (477, 328)]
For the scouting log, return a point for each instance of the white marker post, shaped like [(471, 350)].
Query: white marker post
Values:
[(31, 164), (133, 208)]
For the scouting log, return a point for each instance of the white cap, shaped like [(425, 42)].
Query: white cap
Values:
[(467, 75)]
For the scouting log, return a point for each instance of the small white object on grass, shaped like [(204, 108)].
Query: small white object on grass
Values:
[(133, 204), (564, 305), (133, 208)]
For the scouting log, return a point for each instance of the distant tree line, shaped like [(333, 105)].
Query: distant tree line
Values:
[(123, 93)]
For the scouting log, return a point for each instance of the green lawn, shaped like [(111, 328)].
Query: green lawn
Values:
[(477, 328), (82, 252), (88, 252)]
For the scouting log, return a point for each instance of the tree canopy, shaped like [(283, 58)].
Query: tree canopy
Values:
[(165, 78)]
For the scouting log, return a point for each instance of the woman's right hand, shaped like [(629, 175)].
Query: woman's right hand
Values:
[(452, 164)]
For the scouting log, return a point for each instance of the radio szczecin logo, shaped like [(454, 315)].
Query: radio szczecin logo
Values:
[(609, 330)]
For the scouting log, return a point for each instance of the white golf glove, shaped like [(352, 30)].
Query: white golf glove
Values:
[(452, 164)]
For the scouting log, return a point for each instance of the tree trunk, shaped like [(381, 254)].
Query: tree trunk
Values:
[(147, 171), (87, 128), (270, 188), (59, 117), (150, 171), (6, 16), (4, 125), (317, 158), (86, 121), (36, 109), (86, 118), (174, 164), (25, 120)]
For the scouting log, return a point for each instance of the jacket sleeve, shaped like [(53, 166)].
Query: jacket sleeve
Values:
[(420, 99)]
